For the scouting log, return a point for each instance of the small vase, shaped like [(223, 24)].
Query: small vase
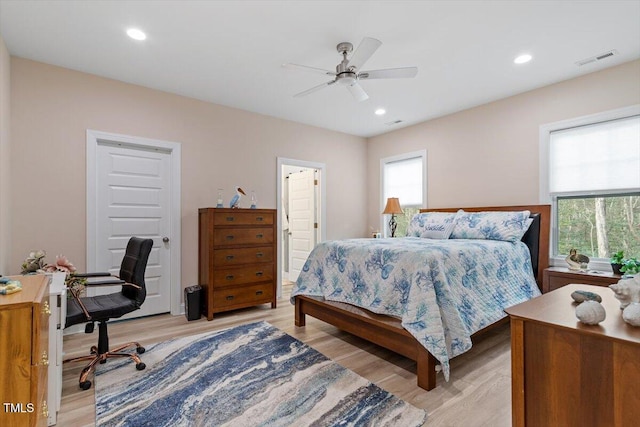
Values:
[(616, 268)]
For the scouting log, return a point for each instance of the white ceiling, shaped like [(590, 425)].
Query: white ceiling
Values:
[(231, 52)]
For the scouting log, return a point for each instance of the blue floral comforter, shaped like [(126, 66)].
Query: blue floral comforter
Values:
[(443, 290)]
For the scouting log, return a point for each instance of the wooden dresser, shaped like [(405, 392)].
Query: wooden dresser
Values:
[(566, 373), (236, 258), (24, 341), (557, 277)]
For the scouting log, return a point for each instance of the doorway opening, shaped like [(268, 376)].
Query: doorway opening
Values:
[(301, 214)]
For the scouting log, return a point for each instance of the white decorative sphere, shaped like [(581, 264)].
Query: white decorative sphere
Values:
[(591, 312), (631, 314)]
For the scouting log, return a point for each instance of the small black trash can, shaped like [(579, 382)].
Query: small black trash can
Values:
[(192, 302)]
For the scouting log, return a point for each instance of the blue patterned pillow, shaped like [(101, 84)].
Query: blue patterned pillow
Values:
[(494, 225), (432, 225)]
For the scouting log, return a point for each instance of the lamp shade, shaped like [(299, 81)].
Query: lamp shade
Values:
[(393, 206)]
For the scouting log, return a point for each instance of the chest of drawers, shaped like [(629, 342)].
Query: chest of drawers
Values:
[(24, 359), (236, 258)]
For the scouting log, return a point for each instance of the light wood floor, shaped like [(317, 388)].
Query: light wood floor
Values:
[(477, 394)]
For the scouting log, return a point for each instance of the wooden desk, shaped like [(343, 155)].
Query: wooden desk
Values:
[(565, 373), (24, 361)]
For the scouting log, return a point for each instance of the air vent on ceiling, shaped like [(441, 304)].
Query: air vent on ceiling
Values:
[(597, 58), (395, 122)]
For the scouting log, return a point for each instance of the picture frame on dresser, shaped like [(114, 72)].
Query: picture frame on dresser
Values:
[(236, 258)]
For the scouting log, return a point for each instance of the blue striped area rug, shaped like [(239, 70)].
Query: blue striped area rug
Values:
[(250, 375)]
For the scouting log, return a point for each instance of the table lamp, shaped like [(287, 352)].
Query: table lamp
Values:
[(393, 208)]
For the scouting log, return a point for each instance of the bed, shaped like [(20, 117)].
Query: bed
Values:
[(337, 285)]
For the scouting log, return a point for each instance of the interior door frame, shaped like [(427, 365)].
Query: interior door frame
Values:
[(282, 161), (94, 138)]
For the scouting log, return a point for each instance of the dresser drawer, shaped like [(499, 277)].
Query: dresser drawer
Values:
[(230, 257), (241, 275), (242, 218), (243, 236), (242, 296)]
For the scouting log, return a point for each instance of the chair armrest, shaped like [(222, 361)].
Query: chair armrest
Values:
[(103, 281), (101, 274)]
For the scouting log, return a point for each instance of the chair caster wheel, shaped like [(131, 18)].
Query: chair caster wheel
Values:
[(140, 366), (140, 350), (103, 361), (85, 385)]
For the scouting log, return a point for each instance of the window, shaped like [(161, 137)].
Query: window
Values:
[(404, 177), (590, 173)]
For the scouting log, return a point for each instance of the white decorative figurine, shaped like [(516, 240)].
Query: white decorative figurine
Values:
[(590, 312), (627, 290), (235, 200), (631, 314)]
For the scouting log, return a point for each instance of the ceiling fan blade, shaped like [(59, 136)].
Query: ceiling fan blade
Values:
[(306, 68), (364, 51), (314, 89), (390, 73), (358, 93)]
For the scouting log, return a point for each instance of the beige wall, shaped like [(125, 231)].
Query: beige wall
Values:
[(53, 107), (5, 118), (488, 155)]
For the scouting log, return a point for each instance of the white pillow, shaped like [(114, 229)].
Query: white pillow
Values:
[(432, 225), (491, 225)]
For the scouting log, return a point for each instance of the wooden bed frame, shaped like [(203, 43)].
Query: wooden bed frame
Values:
[(387, 331)]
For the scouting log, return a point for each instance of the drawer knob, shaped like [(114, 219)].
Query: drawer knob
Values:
[(229, 297), (259, 236), (259, 273), (259, 255), (259, 218), (45, 308), (229, 277), (229, 237), (229, 218), (229, 257), (258, 292), (44, 361), (45, 409)]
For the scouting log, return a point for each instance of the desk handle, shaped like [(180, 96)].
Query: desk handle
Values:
[(229, 237), (44, 361), (229, 277), (259, 255), (229, 218), (259, 218), (229, 297), (229, 257), (258, 292), (259, 273), (259, 236)]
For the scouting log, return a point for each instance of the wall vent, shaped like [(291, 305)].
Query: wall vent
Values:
[(395, 122), (597, 58)]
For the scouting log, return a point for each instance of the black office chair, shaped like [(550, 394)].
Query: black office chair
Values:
[(104, 307)]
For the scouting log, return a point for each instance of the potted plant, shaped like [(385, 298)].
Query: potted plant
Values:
[(616, 262), (630, 266)]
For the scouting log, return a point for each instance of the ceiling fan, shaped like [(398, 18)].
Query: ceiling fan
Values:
[(348, 70)]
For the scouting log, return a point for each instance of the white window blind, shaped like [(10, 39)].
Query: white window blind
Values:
[(403, 179), (599, 157)]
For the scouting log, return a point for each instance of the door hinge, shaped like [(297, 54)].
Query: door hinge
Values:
[(315, 182), (315, 225)]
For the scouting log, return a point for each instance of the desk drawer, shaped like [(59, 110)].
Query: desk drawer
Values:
[(243, 236), (231, 257), (242, 296), (242, 218), (242, 275)]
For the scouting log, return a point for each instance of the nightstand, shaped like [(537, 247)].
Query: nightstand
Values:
[(557, 277)]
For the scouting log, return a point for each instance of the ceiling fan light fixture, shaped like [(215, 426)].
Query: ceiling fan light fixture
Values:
[(523, 59), (136, 34), (380, 112)]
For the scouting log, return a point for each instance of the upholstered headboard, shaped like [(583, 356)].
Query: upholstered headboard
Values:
[(536, 238)]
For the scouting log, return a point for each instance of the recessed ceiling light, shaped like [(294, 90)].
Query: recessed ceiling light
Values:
[(136, 34), (381, 112), (522, 59)]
